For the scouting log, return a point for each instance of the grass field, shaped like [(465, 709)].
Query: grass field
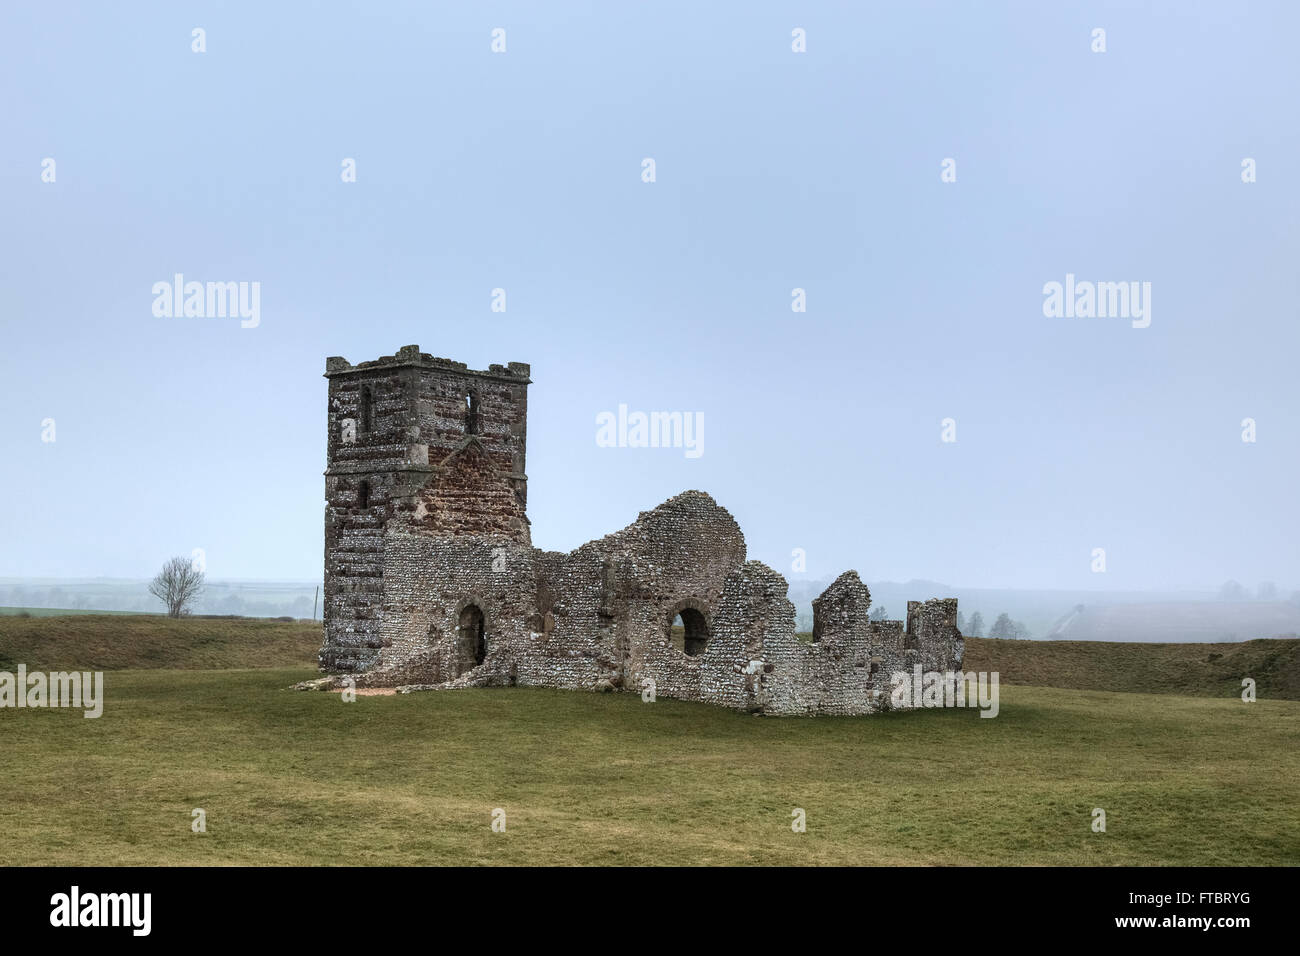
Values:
[(293, 777)]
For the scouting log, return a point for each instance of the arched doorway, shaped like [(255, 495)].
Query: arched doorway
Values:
[(471, 638)]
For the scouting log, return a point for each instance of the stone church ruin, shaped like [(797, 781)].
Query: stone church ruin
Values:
[(432, 580)]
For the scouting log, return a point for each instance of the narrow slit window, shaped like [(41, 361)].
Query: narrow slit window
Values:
[(364, 414), (471, 413), (363, 495)]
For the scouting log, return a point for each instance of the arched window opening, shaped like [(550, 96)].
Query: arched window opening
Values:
[(471, 413), (689, 632)]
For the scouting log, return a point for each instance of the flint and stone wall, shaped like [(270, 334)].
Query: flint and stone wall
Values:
[(433, 559)]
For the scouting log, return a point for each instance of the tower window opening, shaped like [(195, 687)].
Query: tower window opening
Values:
[(471, 413), (364, 411)]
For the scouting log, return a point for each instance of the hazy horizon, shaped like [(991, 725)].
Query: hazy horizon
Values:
[(1284, 592), (1180, 616)]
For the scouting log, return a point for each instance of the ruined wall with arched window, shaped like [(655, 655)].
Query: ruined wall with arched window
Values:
[(432, 580)]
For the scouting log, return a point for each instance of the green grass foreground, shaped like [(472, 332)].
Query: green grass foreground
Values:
[(304, 777)]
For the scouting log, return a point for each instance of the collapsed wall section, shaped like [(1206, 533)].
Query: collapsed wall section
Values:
[(849, 665)]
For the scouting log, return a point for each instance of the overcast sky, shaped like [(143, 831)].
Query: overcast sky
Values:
[(774, 170)]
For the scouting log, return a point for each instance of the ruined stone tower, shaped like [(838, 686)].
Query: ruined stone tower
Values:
[(397, 426), (432, 582)]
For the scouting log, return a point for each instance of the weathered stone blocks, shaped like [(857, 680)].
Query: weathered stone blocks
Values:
[(432, 580)]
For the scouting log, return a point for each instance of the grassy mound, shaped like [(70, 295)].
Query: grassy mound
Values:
[(1203, 670), (104, 642)]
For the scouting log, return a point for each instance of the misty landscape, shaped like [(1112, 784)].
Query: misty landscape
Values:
[(474, 437), (1230, 614), (244, 598)]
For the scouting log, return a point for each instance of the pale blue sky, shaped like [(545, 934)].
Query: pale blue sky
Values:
[(774, 170)]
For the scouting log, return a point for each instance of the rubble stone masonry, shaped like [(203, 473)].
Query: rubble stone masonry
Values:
[(432, 582)]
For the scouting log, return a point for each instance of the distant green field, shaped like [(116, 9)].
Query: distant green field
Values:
[(54, 611), (303, 777)]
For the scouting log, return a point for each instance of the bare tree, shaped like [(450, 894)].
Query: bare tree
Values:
[(177, 585)]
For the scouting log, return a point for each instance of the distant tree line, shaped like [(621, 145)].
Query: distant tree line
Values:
[(1004, 627), (1267, 591)]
